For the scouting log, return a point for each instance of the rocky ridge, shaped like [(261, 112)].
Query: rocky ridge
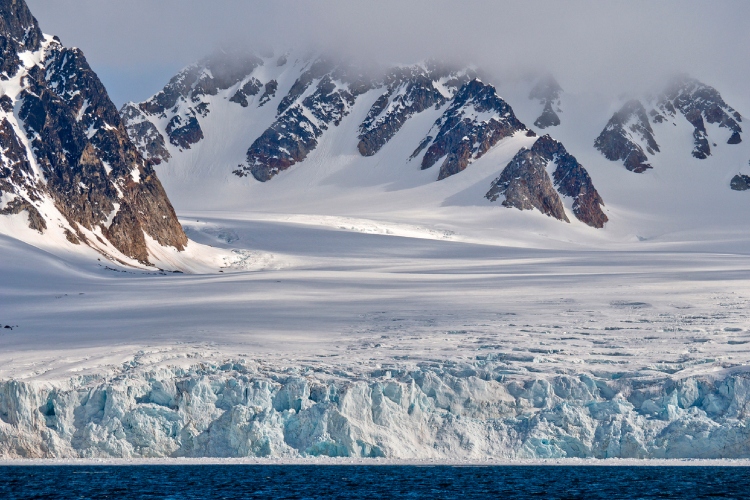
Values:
[(320, 98), (476, 120), (473, 120), (181, 102), (629, 135), (526, 184), (699, 103), (66, 159), (626, 136), (409, 90)]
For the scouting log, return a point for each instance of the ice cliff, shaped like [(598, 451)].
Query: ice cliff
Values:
[(450, 411)]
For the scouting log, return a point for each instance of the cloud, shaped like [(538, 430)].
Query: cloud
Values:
[(589, 45)]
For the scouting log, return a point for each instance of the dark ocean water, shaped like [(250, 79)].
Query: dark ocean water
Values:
[(331, 481)]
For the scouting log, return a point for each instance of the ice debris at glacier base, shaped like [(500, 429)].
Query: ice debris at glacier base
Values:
[(450, 411)]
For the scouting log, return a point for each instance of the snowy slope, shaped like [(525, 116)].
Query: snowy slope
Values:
[(480, 350)]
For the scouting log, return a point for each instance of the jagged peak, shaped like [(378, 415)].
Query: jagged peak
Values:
[(19, 25), (547, 91), (476, 120), (699, 103), (627, 133), (526, 184), (66, 158), (19, 32)]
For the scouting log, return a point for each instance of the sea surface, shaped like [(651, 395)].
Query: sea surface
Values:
[(371, 481)]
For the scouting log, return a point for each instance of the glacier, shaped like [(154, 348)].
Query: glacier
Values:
[(249, 408)]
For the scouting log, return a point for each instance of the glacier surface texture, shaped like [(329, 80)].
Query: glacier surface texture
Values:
[(446, 411)]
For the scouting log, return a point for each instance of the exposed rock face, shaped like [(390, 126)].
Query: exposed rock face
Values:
[(252, 87), (19, 32), (476, 120), (184, 131), (629, 131), (79, 155), (626, 135), (548, 118), (547, 91), (572, 180), (182, 101), (323, 93), (269, 91), (740, 182), (409, 91), (698, 102), (18, 205), (526, 184), (144, 134), (303, 117)]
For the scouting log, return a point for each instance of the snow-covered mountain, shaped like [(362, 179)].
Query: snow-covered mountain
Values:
[(629, 134), (69, 174), (300, 133), (268, 114)]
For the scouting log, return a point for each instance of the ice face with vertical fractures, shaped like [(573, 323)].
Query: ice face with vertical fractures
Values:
[(443, 410)]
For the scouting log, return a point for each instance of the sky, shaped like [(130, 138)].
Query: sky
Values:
[(592, 46)]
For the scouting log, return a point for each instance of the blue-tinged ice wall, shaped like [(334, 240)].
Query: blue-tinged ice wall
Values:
[(441, 411)]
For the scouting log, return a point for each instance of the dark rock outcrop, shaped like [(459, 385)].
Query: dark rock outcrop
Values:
[(252, 87), (526, 184), (700, 103), (476, 120), (409, 91), (269, 91), (144, 134), (620, 138), (547, 91), (19, 32), (740, 182), (184, 131), (302, 121), (572, 180), (548, 118), (18, 205), (182, 102), (87, 165)]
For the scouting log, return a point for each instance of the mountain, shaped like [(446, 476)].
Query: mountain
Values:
[(222, 132), (476, 120), (526, 184), (67, 165), (629, 134), (312, 134)]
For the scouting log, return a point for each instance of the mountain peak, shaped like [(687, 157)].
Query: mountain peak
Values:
[(474, 122), (65, 158), (19, 32), (626, 136)]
